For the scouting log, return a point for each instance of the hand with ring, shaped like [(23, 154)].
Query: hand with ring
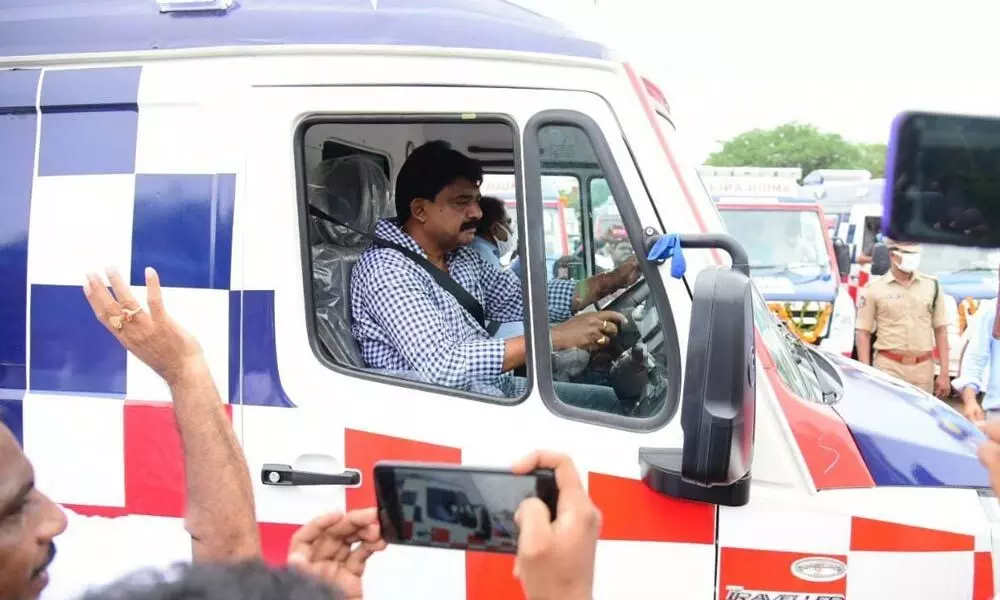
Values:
[(590, 331), (153, 337)]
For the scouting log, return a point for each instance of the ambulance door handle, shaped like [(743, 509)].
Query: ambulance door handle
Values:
[(285, 475)]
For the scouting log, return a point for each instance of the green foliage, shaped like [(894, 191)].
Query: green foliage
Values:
[(799, 145), (600, 192)]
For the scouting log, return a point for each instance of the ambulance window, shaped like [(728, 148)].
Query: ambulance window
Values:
[(610, 246), (366, 317), (629, 378)]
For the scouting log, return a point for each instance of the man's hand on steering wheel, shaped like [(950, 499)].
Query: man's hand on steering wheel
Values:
[(590, 331), (626, 273)]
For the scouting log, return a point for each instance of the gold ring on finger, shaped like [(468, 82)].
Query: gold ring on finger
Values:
[(117, 321), (604, 326), (131, 312), (602, 340)]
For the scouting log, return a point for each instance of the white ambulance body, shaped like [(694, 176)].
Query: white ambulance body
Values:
[(134, 137)]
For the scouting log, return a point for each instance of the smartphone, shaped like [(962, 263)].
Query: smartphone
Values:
[(450, 506)]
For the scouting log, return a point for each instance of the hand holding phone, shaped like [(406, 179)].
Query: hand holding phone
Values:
[(555, 558), (449, 506)]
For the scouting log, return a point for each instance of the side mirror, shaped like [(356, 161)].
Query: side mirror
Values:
[(880, 259), (843, 254), (719, 402)]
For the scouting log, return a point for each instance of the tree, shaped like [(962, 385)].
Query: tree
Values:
[(798, 145)]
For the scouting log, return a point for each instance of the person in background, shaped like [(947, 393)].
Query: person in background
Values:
[(496, 238), (495, 233), (982, 353), (904, 306)]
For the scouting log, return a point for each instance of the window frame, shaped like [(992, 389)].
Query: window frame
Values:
[(302, 199), (533, 171)]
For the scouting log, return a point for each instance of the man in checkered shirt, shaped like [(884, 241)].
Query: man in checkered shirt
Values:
[(408, 325)]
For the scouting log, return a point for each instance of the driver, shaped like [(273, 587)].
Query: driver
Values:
[(405, 323), (799, 249)]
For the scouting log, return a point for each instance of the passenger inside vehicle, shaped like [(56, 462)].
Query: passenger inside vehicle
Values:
[(496, 237)]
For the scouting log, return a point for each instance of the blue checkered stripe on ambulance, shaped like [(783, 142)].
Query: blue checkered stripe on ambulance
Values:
[(110, 167)]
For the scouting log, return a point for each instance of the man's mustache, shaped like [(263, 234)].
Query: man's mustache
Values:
[(48, 560), (470, 225)]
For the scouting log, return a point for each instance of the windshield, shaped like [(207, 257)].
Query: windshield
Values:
[(950, 259), (785, 362), (779, 238)]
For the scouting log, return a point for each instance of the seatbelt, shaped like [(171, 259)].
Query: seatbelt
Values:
[(443, 279)]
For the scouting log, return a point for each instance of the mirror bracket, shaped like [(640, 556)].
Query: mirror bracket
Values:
[(661, 471), (718, 410)]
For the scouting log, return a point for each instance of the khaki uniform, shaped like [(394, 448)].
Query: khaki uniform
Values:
[(905, 322)]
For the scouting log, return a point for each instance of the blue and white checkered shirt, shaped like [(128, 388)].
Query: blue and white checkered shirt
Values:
[(406, 324)]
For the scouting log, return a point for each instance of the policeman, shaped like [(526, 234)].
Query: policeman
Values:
[(906, 310)]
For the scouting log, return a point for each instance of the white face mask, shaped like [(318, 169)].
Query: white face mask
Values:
[(507, 246), (908, 262)]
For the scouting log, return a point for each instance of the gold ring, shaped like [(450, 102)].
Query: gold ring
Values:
[(117, 321), (131, 312), (602, 340), (604, 327)]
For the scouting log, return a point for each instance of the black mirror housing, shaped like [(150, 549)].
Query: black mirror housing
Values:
[(843, 254), (719, 399), (880, 259)]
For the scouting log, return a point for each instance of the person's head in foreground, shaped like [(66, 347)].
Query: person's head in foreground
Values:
[(437, 197), (249, 580), (29, 522)]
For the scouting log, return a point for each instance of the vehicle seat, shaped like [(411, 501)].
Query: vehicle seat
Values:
[(354, 190)]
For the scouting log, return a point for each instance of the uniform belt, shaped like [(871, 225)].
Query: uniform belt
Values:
[(905, 359)]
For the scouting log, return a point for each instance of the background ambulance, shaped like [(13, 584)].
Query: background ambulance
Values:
[(805, 286), (186, 135)]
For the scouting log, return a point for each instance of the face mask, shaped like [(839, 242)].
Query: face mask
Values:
[(908, 263), (507, 246)]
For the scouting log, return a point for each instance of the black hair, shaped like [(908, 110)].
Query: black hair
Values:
[(247, 580), (494, 211), (428, 170)]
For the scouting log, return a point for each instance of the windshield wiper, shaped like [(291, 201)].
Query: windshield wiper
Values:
[(973, 270), (804, 355)]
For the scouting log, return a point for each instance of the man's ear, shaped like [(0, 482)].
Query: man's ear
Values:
[(418, 209)]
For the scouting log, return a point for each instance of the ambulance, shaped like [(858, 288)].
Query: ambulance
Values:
[(441, 513), (809, 293), (194, 135), (803, 280)]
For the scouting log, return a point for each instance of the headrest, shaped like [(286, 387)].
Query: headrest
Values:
[(352, 189)]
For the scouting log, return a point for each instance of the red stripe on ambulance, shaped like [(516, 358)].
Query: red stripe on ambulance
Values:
[(154, 461), (275, 539), (880, 536), (982, 582), (634, 512), (362, 449)]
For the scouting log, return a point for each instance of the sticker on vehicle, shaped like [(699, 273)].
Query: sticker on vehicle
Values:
[(819, 569)]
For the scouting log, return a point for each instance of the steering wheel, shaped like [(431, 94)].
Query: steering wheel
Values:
[(622, 364)]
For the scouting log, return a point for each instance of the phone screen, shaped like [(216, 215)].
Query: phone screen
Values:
[(444, 506)]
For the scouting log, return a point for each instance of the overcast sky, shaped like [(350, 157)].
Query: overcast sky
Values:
[(849, 66)]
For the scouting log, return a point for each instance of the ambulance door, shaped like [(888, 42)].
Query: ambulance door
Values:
[(304, 408)]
